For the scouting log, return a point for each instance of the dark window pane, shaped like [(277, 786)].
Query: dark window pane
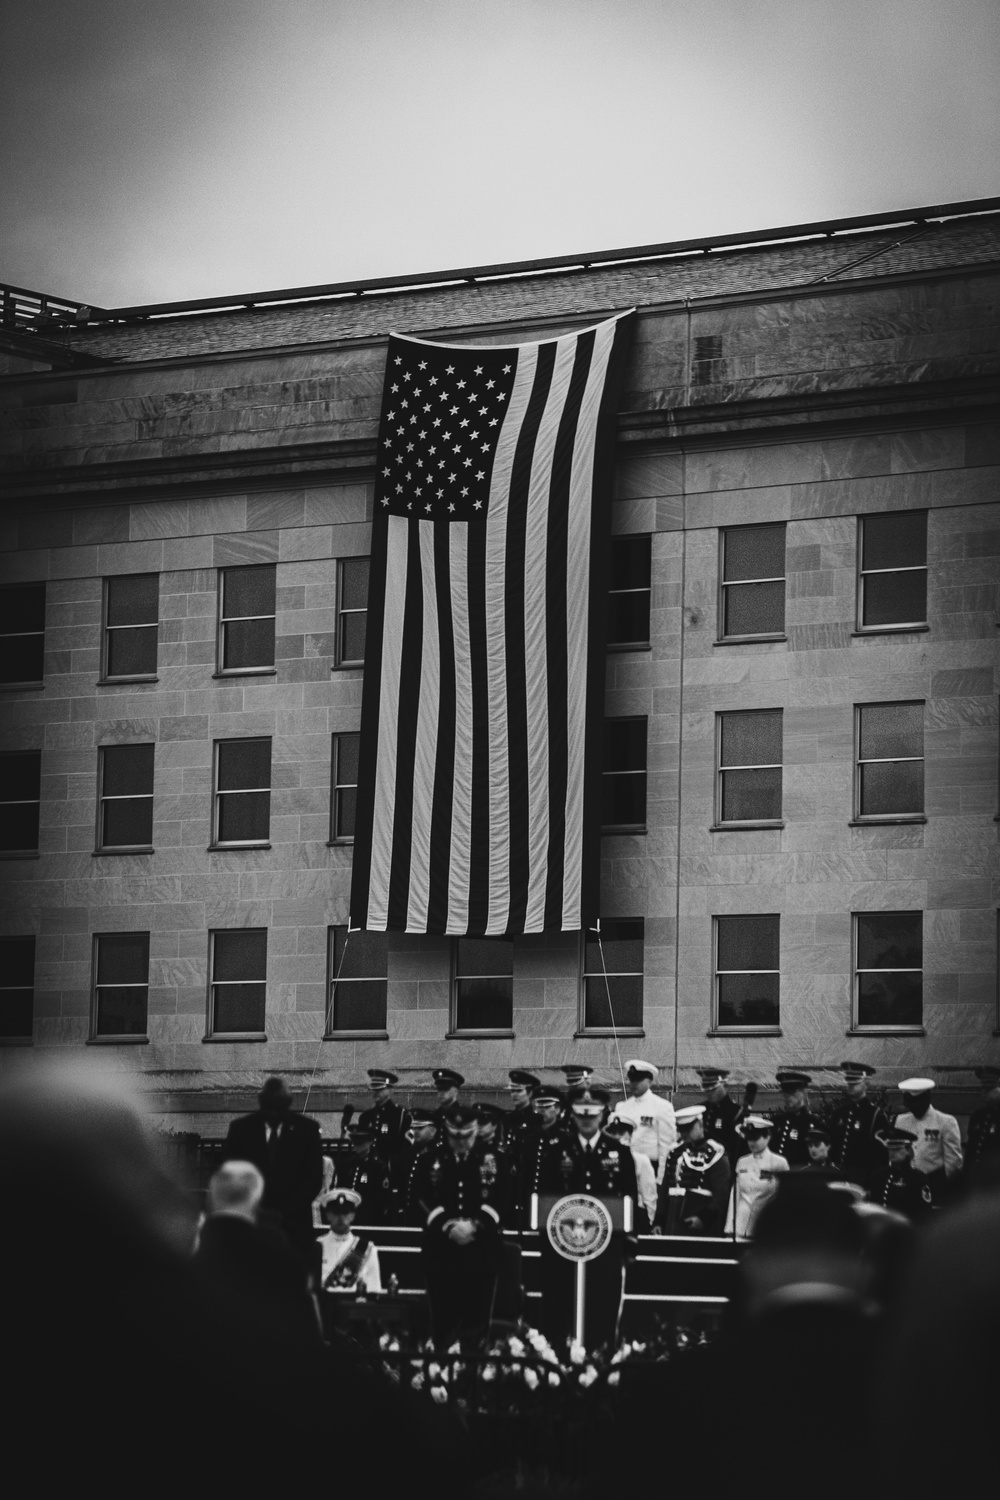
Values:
[(752, 739), (755, 609), (354, 582), (134, 600), (623, 801), (749, 796), (17, 975), (19, 826), (244, 816), (892, 787), (244, 765), (628, 618), (890, 999), (622, 941), (122, 1012), (132, 652), (20, 775), (16, 1012), (748, 1000), (22, 607), (754, 552), (625, 1008), (248, 591), (248, 643), (898, 540), (347, 758), (22, 658), (129, 821), (891, 729), (630, 562), (625, 744), (123, 958), (17, 961), (748, 942), (890, 940), (484, 956), (345, 813), (484, 1004), (353, 629), (365, 956), (895, 598), (359, 1006), (238, 1007), (240, 953), (128, 770)]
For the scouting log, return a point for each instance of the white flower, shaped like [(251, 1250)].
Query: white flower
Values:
[(530, 1378), (614, 1377), (553, 1378), (588, 1376), (577, 1353), (434, 1371), (439, 1394), (638, 1348), (417, 1382), (489, 1372), (455, 1348), (516, 1347)]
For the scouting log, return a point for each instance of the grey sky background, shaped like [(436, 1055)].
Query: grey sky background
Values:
[(162, 149)]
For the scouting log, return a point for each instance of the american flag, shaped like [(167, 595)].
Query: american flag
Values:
[(479, 782)]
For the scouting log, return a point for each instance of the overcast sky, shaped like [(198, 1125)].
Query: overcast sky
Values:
[(162, 149)]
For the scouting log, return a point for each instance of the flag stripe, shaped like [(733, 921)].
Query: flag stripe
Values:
[(426, 743), (406, 737), (479, 812), (445, 770), (385, 778)]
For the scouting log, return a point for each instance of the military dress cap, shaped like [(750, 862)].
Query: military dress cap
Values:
[(711, 1076), (917, 1085), (642, 1069), (423, 1116), (341, 1199), (548, 1093), (382, 1075), (857, 1070), (461, 1115), (988, 1075), (755, 1122), (818, 1133), (588, 1093), (447, 1078), (792, 1079), (575, 1072), (360, 1131), (520, 1079), (894, 1135), (618, 1128), (487, 1111), (687, 1116)]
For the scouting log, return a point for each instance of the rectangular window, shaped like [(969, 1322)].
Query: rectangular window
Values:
[(344, 789), (892, 592), (752, 569), (131, 625), (239, 982), (242, 792), (121, 983), (888, 970), (126, 804), (17, 988), (749, 761), (890, 760), (20, 796), (22, 632), (483, 988), (352, 610), (246, 619), (629, 594), (612, 976), (623, 784), (357, 982), (747, 977)]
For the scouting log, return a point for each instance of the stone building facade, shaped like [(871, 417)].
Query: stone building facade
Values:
[(808, 866)]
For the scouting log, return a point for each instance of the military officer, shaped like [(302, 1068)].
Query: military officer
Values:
[(461, 1191), (534, 1158), (365, 1174), (982, 1147), (937, 1152), (899, 1186), (386, 1119), (421, 1135), (655, 1131), (722, 1113), (821, 1163), (520, 1121), (447, 1082), (855, 1125), (791, 1125), (491, 1126), (349, 1260), (645, 1177), (576, 1074), (755, 1179), (697, 1179)]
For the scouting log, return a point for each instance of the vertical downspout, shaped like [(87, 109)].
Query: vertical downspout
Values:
[(680, 705)]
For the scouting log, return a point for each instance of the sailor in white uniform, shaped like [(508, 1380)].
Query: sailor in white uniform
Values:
[(755, 1180), (349, 1260)]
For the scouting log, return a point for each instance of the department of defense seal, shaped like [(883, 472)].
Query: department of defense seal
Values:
[(579, 1227)]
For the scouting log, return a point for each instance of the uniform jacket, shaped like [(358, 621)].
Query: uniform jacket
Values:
[(369, 1176), (606, 1168), (655, 1133), (939, 1141), (292, 1166), (703, 1169), (536, 1164), (788, 1138), (388, 1122), (854, 1126), (754, 1183), (402, 1175), (477, 1186), (348, 1261), (720, 1120), (903, 1189), (984, 1134), (520, 1126)]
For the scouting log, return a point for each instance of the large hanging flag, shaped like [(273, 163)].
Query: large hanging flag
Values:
[(478, 804)]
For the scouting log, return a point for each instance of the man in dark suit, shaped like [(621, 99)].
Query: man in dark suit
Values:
[(285, 1148)]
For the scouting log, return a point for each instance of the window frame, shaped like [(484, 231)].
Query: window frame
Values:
[(645, 643), (583, 974), (337, 838), (115, 1038), (339, 659), (107, 630), (722, 639), (100, 848), (861, 819), (857, 1028), (211, 1035), (221, 670), (862, 572), (348, 1034), (718, 1028), (28, 851), (20, 683), (454, 1030), (721, 824), (628, 828), (13, 1038), (264, 843)]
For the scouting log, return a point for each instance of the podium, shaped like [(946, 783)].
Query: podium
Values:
[(580, 1228)]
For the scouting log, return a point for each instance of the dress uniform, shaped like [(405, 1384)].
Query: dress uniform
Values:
[(722, 1114), (532, 1162), (421, 1135), (365, 1174), (645, 1178), (982, 1146), (387, 1120), (791, 1125), (937, 1150), (855, 1125), (654, 1128), (697, 1179), (899, 1186), (755, 1180), (447, 1082), (521, 1122), (349, 1260), (462, 1192)]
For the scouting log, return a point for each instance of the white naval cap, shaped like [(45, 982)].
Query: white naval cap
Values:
[(689, 1114), (636, 1065), (917, 1085)]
